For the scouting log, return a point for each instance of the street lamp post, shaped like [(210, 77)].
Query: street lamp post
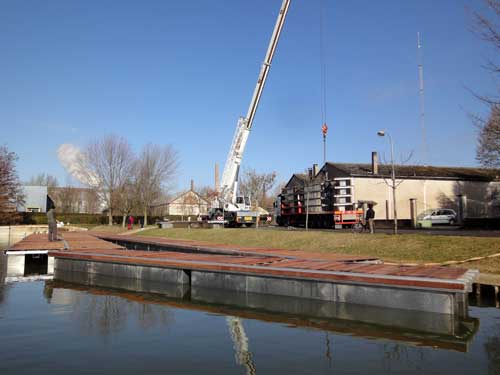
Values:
[(382, 133)]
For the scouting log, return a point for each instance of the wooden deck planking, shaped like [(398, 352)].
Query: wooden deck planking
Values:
[(331, 267)]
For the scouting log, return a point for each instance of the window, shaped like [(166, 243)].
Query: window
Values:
[(239, 200)]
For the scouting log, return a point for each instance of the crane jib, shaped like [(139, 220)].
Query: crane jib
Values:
[(266, 65), (230, 174)]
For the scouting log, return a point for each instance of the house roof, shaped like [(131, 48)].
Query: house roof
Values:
[(418, 171), (302, 177), (187, 192)]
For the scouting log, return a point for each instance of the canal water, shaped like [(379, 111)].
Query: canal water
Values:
[(52, 327)]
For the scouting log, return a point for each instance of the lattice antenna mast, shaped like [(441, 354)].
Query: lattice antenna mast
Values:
[(421, 98)]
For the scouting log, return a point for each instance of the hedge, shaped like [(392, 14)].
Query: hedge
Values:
[(95, 219), (482, 223)]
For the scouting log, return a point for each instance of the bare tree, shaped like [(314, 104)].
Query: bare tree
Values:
[(257, 185), (70, 199), (10, 188), (488, 146), (92, 202), (155, 166), (43, 179), (486, 26), (66, 198), (207, 192), (127, 198), (107, 165)]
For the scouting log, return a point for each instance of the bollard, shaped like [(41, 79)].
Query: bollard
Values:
[(413, 212)]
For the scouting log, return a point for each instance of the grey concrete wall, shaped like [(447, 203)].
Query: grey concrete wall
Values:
[(395, 298), (15, 265), (124, 271), (50, 265), (169, 282), (439, 324), (153, 279), (136, 285)]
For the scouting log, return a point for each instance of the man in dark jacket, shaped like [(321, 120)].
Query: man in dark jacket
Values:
[(370, 218), (51, 220)]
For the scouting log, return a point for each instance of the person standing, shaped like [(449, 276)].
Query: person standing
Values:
[(130, 222), (52, 221), (370, 218)]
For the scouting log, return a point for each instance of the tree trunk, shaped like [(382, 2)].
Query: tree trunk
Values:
[(110, 218), (124, 218), (145, 216)]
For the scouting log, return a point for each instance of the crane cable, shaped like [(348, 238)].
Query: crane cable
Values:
[(322, 46), (323, 59)]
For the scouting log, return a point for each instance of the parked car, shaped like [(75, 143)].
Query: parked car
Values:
[(439, 216)]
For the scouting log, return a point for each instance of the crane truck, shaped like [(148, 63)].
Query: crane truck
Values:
[(229, 207)]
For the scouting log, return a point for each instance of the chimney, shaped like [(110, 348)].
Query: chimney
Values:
[(315, 170), (216, 186), (192, 185), (374, 162)]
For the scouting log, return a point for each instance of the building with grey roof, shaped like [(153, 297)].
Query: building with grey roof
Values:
[(342, 186), (36, 199)]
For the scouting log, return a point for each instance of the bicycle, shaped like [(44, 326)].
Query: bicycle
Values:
[(359, 227)]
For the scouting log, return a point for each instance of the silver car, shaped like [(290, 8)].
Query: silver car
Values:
[(439, 216)]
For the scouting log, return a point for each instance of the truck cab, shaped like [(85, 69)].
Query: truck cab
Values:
[(243, 203)]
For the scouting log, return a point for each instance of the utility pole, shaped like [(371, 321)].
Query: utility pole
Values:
[(393, 187), (307, 209)]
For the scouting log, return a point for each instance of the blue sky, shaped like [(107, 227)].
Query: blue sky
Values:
[(182, 72)]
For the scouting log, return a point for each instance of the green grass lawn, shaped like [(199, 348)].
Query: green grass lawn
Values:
[(408, 248)]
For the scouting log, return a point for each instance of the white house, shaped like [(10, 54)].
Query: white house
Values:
[(189, 203)]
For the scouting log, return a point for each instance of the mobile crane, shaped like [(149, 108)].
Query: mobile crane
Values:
[(229, 207)]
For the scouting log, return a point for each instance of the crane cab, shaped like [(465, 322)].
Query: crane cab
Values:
[(243, 203)]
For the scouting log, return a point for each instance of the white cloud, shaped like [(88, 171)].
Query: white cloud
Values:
[(69, 156)]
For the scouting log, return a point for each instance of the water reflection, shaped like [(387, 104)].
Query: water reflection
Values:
[(242, 355), (3, 274), (395, 353), (492, 348), (107, 309), (105, 312), (229, 333)]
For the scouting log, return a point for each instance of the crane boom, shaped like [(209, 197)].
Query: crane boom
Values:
[(229, 182)]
